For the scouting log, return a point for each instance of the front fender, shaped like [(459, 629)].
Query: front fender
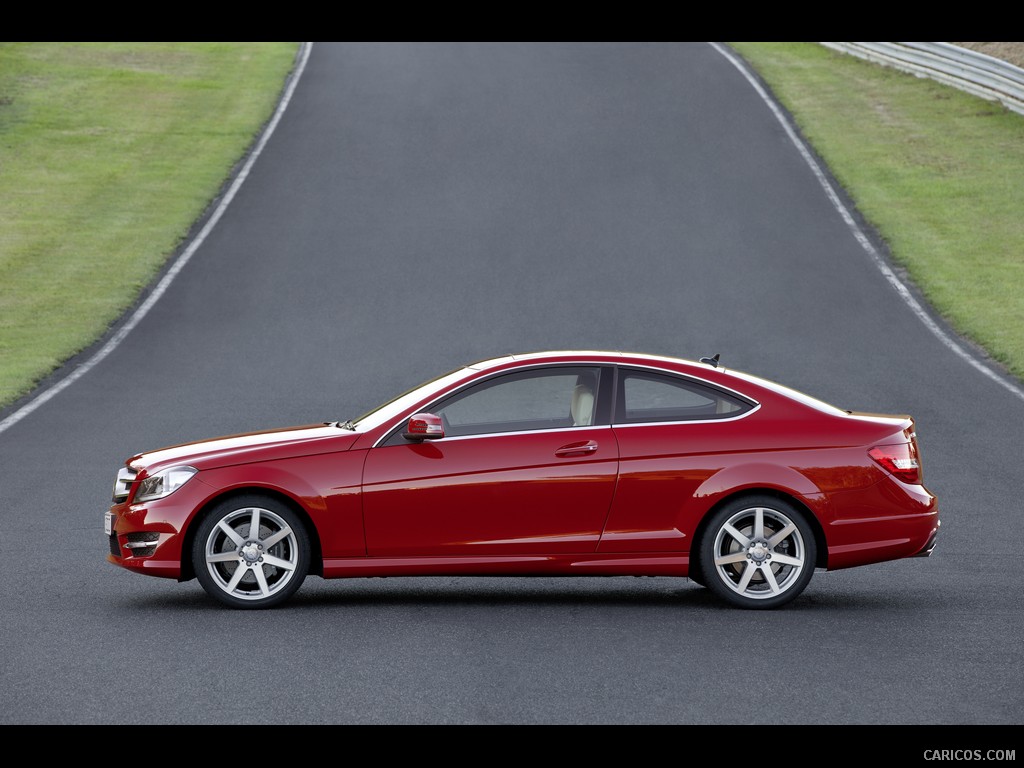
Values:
[(227, 480), (325, 487)]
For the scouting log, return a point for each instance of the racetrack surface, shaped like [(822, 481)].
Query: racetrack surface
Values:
[(421, 206)]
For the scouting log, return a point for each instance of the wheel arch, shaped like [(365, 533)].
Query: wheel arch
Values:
[(316, 564), (821, 544)]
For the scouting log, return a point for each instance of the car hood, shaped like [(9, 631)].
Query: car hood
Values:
[(248, 447)]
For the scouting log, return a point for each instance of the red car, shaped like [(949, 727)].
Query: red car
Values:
[(555, 464)]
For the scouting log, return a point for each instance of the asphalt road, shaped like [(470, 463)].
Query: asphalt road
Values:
[(421, 206)]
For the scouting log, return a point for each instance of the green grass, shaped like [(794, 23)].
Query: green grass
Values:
[(938, 173), (109, 152)]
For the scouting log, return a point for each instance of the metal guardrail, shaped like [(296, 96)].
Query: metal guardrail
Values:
[(979, 74)]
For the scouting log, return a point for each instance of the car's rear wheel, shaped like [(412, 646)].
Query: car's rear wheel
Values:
[(758, 552), (251, 552)]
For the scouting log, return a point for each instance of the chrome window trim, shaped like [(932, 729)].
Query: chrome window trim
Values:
[(553, 430), (619, 366), (627, 425)]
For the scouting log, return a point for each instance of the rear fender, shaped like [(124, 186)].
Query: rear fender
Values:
[(781, 480), (785, 480)]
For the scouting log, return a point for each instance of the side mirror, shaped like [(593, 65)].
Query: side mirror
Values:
[(424, 426)]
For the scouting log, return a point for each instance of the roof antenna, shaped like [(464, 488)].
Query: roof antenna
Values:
[(712, 361)]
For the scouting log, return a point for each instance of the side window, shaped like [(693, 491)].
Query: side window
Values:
[(552, 398), (649, 397)]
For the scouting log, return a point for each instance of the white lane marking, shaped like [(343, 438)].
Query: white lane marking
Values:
[(884, 268), (179, 263)]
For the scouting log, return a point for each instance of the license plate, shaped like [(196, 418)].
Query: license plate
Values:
[(108, 522)]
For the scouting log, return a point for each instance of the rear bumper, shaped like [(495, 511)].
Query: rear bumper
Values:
[(930, 546), (888, 521)]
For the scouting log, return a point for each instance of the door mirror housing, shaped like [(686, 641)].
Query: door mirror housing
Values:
[(424, 426)]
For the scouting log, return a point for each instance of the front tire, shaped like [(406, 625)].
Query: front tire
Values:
[(758, 552), (251, 552)]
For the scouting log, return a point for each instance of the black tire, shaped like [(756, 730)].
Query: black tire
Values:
[(245, 571), (758, 569)]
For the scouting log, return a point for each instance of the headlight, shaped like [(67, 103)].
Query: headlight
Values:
[(164, 483)]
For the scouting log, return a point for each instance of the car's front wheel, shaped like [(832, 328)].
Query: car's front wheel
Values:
[(758, 552), (251, 552)]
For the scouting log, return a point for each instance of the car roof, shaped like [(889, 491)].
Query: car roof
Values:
[(602, 355)]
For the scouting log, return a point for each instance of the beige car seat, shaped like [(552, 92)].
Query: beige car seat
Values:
[(582, 408)]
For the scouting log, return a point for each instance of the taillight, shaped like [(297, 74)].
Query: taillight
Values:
[(901, 460)]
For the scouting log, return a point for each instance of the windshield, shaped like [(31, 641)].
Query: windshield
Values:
[(406, 400)]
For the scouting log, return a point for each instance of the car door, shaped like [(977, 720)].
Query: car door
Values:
[(673, 433), (527, 466)]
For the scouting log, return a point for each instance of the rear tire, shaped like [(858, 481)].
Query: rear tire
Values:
[(251, 552), (758, 552)]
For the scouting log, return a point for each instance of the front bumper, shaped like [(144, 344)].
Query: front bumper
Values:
[(149, 537)]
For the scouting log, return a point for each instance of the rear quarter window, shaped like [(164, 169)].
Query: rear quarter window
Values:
[(645, 397)]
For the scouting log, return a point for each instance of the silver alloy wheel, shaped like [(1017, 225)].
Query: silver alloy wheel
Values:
[(759, 553), (251, 553)]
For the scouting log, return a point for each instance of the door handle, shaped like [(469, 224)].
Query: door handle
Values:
[(577, 449)]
